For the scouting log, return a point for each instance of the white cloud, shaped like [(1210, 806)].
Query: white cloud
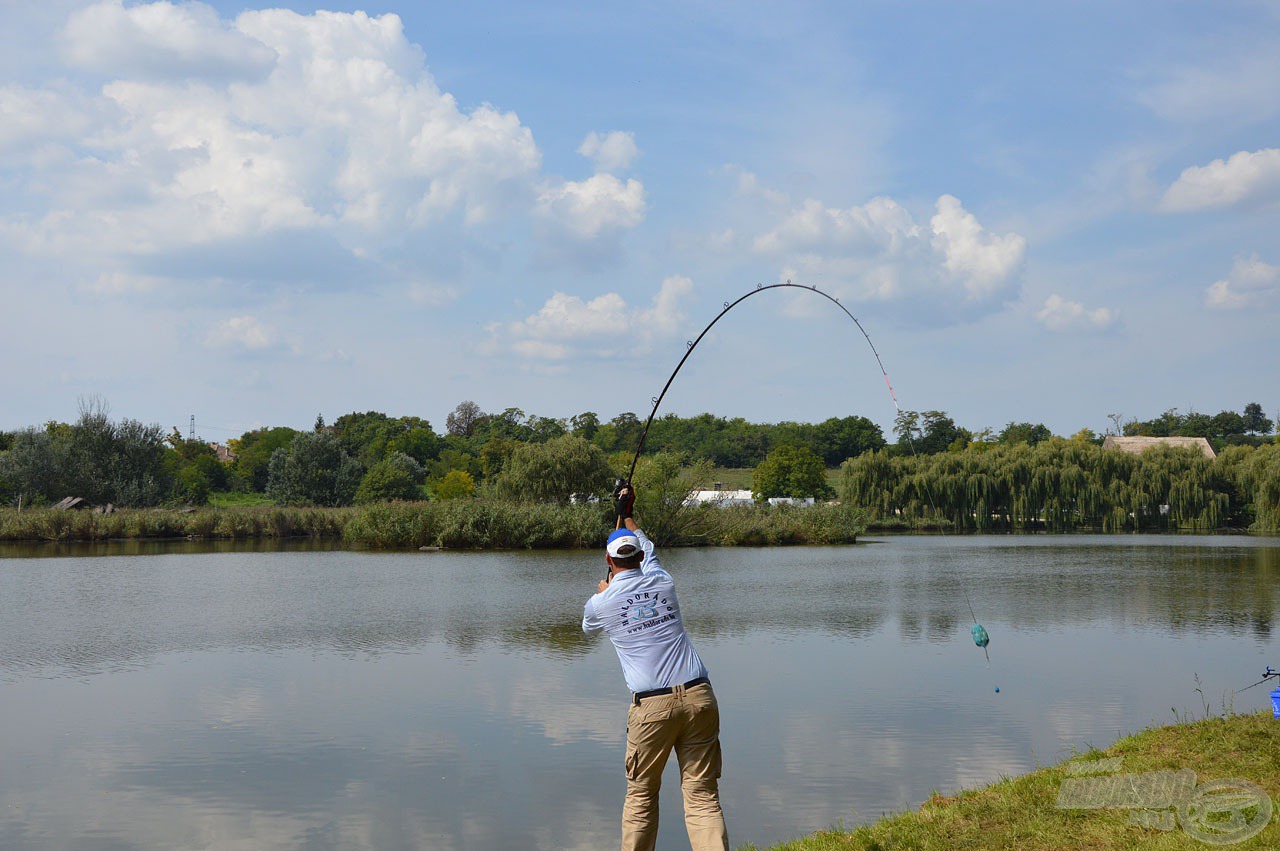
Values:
[(1237, 85), (40, 116), (1251, 283), (1060, 314), (123, 283), (610, 151), (161, 41), (245, 332), (878, 252), (981, 260), (212, 132), (606, 324), (600, 205), (1247, 176)]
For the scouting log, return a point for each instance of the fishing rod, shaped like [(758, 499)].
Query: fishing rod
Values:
[(1268, 675), (730, 305), (979, 633)]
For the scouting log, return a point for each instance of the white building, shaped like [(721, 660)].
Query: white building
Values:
[(719, 498)]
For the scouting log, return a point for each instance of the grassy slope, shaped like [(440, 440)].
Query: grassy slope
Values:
[(1020, 813)]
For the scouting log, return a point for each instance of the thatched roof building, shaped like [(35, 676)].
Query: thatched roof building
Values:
[(1137, 445)]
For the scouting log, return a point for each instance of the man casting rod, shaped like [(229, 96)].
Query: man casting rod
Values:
[(980, 636)]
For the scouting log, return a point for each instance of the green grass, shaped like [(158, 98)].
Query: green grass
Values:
[(244, 499), (1021, 813), (456, 524), (47, 524)]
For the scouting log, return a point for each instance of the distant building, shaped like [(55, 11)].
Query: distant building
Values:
[(791, 500), (1138, 445), (225, 455), (720, 498)]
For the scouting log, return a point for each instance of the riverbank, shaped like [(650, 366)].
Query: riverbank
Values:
[(454, 524), (1079, 804)]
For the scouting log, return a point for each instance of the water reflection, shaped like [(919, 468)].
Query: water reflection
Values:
[(326, 699)]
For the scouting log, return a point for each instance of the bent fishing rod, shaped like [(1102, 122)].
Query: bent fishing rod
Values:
[(979, 633), (730, 305)]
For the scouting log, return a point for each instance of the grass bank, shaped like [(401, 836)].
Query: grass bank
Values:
[(1023, 813), (47, 524), (457, 524)]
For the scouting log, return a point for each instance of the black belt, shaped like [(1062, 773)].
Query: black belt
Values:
[(641, 695)]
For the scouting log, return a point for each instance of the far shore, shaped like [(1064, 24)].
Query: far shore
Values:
[(479, 524)]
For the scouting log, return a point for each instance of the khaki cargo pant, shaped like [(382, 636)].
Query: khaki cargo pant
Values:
[(689, 721)]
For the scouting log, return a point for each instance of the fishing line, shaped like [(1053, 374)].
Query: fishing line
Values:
[(979, 633)]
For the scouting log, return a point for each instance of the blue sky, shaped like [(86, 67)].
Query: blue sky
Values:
[(257, 214)]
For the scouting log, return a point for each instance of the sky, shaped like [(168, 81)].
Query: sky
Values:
[(255, 214)]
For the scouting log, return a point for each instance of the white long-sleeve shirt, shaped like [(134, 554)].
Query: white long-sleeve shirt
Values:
[(641, 615)]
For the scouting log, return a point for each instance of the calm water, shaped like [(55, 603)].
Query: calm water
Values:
[(330, 699)]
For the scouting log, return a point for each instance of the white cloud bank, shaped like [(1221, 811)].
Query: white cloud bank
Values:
[(232, 136), (161, 41), (878, 252), (605, 325), (1251, 284), (1245, 177), (1060, 314)]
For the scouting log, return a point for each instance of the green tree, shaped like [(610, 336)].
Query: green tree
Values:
[(1086, 435), (453, 457), (371, 436), (543, 429), (839, 438), (585, 425), (1255, 421), (562, 469), (418, 442), (462, 421), (790, 471), (663, 482), (314, 470), (494, 455), (456, 484), (1196, 425), (396, 477), (927, 433), (1028, 433), (38, 466), (253, 451), (1228, 423), (196, 470)]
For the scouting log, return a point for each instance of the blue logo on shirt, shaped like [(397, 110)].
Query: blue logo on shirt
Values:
[(643, 611)]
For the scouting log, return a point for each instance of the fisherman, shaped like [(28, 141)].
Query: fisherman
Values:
[(672, 704)]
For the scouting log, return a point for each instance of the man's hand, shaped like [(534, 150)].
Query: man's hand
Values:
[(604, 583), (624, 500)]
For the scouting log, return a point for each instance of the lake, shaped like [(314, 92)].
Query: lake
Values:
[(220, 696)]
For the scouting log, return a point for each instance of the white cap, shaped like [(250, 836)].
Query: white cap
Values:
[(623, 543)]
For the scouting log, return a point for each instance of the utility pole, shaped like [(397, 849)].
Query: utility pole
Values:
[(191, 435)]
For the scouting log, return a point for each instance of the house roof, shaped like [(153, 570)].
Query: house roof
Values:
[(1136, 445)]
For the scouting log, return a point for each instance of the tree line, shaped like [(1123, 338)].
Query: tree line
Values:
[(373, 457), (1061, 485)]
